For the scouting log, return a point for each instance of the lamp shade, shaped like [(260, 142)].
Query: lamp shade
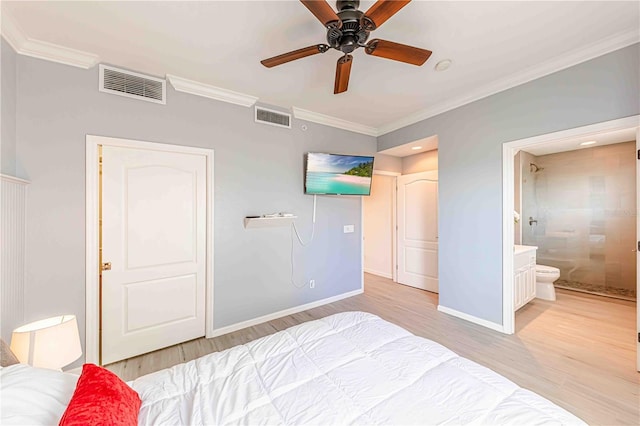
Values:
[(49, 343)]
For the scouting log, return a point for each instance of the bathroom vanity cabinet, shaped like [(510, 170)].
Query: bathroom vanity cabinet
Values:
[(524, 280)]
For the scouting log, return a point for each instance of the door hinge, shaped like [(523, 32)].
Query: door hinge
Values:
[(638, 245), (638, 337), (639, 154), (105, 266)]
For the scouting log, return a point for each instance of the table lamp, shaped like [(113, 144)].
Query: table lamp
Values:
[(50, 343)]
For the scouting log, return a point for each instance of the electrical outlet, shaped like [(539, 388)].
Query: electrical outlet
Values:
[(348, 229), (312, 283)]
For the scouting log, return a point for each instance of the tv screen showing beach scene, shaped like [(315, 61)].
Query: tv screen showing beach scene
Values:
[(333, 174)]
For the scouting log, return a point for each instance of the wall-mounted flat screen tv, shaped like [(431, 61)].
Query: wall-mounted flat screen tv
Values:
[(333, 174)]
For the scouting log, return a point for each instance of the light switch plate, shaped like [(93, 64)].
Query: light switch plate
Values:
[(348, 229)]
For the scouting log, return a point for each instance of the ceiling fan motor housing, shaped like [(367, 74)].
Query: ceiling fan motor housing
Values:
[(351, 34), (347, 4)]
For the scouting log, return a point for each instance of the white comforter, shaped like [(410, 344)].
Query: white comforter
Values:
[(349, 368)]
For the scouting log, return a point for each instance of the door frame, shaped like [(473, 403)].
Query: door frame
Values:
[(509, 150), (92, 255)]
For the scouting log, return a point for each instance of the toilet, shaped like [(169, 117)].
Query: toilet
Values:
[(545, 276)]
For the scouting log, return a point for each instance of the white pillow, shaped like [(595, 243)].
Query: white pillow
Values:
[(34, 396)]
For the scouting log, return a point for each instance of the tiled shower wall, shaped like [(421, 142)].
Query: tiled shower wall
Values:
[(528, 203), (585, 205)]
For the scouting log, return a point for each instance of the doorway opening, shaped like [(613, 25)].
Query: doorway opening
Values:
[(576, 203), (400, 215), (165, 267), (570, 203)]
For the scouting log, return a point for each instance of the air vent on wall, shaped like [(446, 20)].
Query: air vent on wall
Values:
[(132, 85), (274, 118)]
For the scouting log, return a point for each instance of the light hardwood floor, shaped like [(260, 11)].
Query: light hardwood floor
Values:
[(579, 351)]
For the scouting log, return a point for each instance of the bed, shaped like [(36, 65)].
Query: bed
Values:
[(348, 368)]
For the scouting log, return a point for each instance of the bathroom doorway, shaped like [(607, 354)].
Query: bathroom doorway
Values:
[(576, 202)]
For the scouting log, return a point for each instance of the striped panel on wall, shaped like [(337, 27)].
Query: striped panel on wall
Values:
[(13, 199)]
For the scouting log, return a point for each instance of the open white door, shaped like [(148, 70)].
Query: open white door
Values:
[(418, 230), (154, 237)]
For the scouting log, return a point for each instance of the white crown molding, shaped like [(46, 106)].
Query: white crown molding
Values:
[(11, 32), (602, 47), (328, 120), (27, 46), (14, 179), (56, 53), (212, 92)]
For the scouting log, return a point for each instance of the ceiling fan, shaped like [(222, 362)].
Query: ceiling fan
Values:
[(348, 30)]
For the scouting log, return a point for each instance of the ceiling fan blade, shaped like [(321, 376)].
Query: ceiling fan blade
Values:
[(381, 11), (343, 70), (296, 54), (324, 12), (397, 52)]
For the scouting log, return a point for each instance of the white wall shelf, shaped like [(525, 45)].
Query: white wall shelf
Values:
[(267, 222)]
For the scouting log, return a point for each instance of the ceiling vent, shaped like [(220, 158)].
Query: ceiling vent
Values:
[(273, 118), (132, 85)]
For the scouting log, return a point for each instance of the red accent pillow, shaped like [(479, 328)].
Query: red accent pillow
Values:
[(101, 398)]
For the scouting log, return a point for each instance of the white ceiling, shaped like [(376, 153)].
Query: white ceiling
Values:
[(221, 43), (619, 136), (415, 147)]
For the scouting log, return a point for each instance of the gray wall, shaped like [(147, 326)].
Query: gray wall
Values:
[(258, 169), (423, 162), (8, 109), (470, 164)]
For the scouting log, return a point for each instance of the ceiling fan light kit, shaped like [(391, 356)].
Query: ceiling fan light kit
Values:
[(348, 30)]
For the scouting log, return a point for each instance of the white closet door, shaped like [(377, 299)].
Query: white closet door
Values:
[(418, 230), (378, 226), (154, 237)]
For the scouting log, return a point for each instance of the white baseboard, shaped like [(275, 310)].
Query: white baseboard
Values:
[(249, 323), (378, 273), (471, 318)]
